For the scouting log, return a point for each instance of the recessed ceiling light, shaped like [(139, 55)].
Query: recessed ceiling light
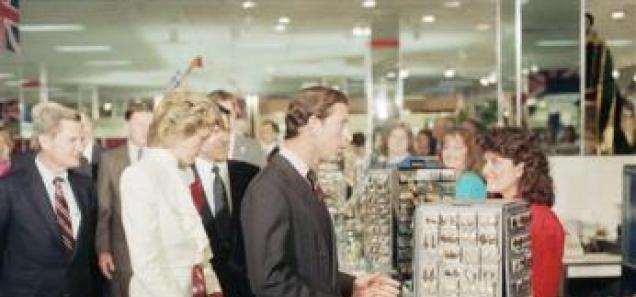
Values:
[(482, 27), (404, 73), (391, 75), (557, 43), (429, 18), (284, 20), (108, 106), (6, 75), (369, 3), (634, 78), (484, 81), (105, 63), (492, 78), (248, 4), (51, 28), (361, 31), (616, 74), (280, 27), (450, 73), (83, 48), (618, 15), (534, 68), (452, 4)]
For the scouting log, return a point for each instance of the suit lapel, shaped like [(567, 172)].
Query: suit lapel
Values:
[(307, 198), (40, 198), (82, 204)]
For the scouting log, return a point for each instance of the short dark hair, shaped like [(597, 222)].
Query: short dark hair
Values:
[(313, 101), (273, 124), (523, 146), (358, 139), (138, 106), (221, 95)]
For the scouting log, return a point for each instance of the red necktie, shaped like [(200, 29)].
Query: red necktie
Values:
[(196, 191), (63, 217)]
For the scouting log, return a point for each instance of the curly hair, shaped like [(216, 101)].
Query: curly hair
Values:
[(313, 101), (523, 146)]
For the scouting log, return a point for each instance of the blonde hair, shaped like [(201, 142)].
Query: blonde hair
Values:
[(47, 117), (6, 144), (182, 112)]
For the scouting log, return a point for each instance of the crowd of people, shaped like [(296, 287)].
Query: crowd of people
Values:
[(189, 206)]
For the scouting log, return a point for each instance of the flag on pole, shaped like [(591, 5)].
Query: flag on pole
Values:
[(9, 20)]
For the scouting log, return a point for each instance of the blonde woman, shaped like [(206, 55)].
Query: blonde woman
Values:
[(6, 147), (169, 250)]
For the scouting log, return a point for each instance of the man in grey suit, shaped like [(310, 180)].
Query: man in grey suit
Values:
[(289, 238), (110, 240), (242, 148)]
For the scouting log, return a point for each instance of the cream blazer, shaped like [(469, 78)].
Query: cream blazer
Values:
[(163, 229)]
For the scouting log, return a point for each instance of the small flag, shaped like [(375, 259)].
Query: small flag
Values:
[(9, 20)]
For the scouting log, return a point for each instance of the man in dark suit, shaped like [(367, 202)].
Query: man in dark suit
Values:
[(289, 238), (91, 152), (47, 215), (215, 175), (110, 240)]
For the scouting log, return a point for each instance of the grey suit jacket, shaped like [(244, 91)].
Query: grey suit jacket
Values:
[(248, 150), (110, 231)]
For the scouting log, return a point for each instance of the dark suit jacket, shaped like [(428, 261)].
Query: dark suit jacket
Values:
[(32, 261), (289, 237), (229, 251)]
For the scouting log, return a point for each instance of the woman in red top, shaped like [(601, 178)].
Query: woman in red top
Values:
[(517, 168)]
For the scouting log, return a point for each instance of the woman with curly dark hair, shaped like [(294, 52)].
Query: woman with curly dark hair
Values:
[(517, 168)]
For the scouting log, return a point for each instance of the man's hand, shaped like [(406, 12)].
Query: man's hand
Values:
[(375, 285), (106, 264)]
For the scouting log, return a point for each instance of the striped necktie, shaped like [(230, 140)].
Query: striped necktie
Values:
[(63, 216)]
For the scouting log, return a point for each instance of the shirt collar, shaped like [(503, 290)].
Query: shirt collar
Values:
[(47, 175), (296, 161), (206, 166)]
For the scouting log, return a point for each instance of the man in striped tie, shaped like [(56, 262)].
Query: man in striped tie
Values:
[(47, 215)]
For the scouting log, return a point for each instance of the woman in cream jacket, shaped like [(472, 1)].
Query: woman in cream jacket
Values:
[(169, 250)]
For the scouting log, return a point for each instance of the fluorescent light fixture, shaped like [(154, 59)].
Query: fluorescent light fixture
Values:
[(450, 73), (248, 4), (369, 3), (83, 48), (284, 20), (51, 28), (391, 75), (492, 78), (106, 63), (482, 27), (280, 28), (618, 15), (557, 43), (634, 78), (361, 31), (108, 106), (452, 4), (429, 19), (619, 42), (484, 81), (6, 75), (616, 74)]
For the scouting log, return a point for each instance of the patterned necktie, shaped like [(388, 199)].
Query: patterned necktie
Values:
[(198, 281), (222, 215), (63, 216)]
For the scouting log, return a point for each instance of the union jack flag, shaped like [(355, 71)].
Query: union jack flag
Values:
[(9, 20)]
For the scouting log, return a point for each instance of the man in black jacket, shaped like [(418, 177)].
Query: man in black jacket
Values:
[(289, 238)]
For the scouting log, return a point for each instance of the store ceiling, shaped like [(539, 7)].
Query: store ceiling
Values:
[(146, 42)]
